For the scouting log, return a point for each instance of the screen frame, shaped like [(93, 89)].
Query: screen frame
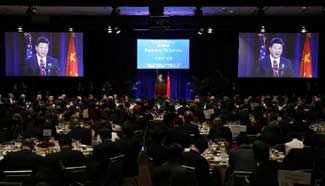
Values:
[(164, 38), (79, 40), (316, 55)]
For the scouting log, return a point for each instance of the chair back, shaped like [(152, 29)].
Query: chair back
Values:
[(297, 177), (15, 177), (137, 137), (77, 174), (150, 163), (190, 176), (241, 178), (115, 169)]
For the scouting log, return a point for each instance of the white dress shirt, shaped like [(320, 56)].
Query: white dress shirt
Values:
[(293, 144)]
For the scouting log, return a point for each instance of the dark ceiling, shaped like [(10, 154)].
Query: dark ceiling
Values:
[(171, 7), (183, 13)]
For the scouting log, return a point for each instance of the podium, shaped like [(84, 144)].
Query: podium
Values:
[(160, 90)]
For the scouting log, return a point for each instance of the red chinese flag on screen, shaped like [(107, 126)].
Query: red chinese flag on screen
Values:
[(72, 63), (168, 85), (306, 63)]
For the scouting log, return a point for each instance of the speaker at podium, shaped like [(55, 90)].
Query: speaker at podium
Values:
[(160, 87)]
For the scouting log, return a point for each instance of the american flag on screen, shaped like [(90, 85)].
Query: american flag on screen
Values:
[(29, 47), (262, 39)]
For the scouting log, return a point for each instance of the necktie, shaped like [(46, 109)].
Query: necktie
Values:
[(275, 69), (42, 67)]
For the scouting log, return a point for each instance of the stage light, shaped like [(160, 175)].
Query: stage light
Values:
[(117, 30), (304, 8), (70, 29), (31, 10), (200, 31), (19, 29), (210, 30), (303, 29), (109, 29), (262, 30)]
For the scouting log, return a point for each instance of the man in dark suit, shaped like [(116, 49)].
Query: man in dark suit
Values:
[(275, 65), (67, 156), (267, 170), (160, 86), (301, 159), (218, 130), (24, 159), (160, 78), (194, 159), (102, 152), (172, 173), (190, 127), (80, 133), (242, 158), (41, 64), (51, 168), (177, 134)]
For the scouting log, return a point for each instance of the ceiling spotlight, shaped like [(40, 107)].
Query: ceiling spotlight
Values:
[(262, 30), (70, 29), (117, 30), (109, 29), (31, 10), (304, 8), (304, 29), (210, 30), (200, 31), (19, 29)]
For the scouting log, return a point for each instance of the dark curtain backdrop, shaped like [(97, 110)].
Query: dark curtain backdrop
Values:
[(59, 43), (179, 81), (249, 48)]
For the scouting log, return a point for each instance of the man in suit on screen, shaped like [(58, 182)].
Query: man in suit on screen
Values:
[(275, 65), (41, 64)]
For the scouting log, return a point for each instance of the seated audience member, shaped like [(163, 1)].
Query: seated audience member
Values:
[(219, 131), (194, 159), (190, 127), (295, 142), (272, 133), (24, 159), (242, 157), (107, 148), (51, 169), (155, 149), (66, 155), (177, 134), (103, 151), (131, 149), (80, 133), (267, 171), (171, 173), (301, 159)]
